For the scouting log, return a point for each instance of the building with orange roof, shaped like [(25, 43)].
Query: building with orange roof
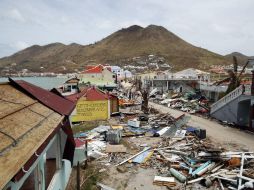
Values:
[(100, 76)]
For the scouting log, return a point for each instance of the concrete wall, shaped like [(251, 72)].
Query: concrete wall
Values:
[(236, 111), (165, 85), (104, 75), (243, 112)]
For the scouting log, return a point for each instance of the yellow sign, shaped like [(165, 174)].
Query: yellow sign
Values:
[(90, 110)]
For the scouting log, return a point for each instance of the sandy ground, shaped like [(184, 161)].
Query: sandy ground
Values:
[(135, 177), (225, 135), (143, 180)]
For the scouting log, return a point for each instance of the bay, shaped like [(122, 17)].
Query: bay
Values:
[(43, 82)]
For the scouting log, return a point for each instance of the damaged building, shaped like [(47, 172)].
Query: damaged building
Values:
[(37, 145)]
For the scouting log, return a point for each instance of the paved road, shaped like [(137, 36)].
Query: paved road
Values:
[(217, 132)]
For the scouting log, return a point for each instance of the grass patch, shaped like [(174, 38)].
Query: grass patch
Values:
[(87, 126)]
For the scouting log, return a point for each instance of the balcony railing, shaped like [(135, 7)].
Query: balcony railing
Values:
[(228, 98)]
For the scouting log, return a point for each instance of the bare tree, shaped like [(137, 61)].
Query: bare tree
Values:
[(144, 90), (234, 79)]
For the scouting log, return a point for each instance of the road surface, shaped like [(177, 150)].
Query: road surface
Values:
[(219, 133)]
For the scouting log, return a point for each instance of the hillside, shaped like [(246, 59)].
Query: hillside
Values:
[(118, 48), (241, 58)]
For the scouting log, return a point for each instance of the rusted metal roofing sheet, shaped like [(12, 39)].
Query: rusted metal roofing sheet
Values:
[(49, 99)]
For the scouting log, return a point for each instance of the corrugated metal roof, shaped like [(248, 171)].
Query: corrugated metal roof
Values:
[(49, 99), (91, 93)]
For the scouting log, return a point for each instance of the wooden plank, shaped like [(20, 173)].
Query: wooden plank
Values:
[(164, 179)]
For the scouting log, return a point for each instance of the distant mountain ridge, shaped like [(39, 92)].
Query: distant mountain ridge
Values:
[(118, 48), (242, 59)]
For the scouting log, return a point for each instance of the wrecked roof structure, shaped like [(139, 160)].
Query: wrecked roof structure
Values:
[(29, 118)]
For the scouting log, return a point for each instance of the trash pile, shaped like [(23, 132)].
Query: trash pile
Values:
[(128, 95), (188, 102), (182, 155)]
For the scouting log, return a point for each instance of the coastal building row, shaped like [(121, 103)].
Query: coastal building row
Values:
[(103, 76)]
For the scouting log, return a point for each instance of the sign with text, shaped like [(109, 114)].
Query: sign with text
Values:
[(90, 110)]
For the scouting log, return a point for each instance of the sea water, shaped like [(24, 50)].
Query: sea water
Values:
[(44, 82)]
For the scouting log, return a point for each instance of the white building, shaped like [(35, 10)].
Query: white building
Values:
[(127, 74), (192, 73), (120, 73), (117, 70)]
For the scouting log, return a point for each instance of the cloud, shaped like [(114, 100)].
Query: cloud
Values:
[(19, 45), (16, 15), (6, 50), (222, 26)]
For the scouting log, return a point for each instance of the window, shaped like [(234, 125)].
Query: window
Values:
[(68, 89)]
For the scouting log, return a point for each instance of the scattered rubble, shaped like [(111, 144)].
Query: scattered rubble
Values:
[(190, 102), (182, 155)]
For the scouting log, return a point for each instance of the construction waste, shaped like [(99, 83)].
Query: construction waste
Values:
[(190, 102), (182, 155)]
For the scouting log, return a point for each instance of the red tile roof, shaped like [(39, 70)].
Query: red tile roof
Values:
[(49, 99), (96, 69), (90, 93)]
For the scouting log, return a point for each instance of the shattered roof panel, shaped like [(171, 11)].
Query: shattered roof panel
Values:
[(24, 124)]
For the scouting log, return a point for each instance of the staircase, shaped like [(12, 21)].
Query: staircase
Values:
[(228, 98)]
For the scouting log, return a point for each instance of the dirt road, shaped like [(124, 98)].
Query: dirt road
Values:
[(226, 136)]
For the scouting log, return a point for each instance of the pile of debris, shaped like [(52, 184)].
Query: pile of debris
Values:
[(182, 155), (190, 102)]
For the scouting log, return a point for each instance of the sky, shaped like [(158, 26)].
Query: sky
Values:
[(221, 26)]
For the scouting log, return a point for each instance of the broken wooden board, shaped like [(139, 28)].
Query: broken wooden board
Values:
[(117, 127), (164, 181), (115, 148)]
